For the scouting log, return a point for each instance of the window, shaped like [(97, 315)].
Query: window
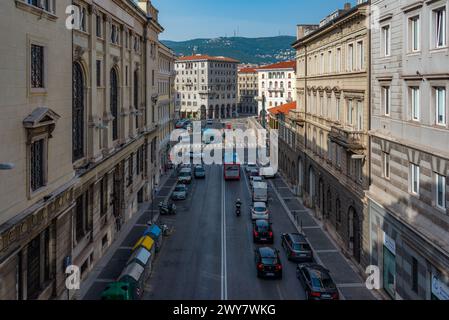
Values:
[(386, 34), (360, 56), (130, 169), (114, 103), (37, 66), (37, 164), (99, 22), (414, 275), (414, 34), (350, 65), (329, 62), (98, 73), (386, 100), (386, 164), (104, 195), (47, 5), (415, 103), (337, 109), (77, 112), (440, 105), (440, 190), (414, 179), (81, 223), (440, 27), (349, 112), (338, 60)]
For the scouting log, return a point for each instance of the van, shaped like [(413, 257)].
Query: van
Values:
[(260, 192)]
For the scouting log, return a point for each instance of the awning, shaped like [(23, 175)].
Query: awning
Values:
[(145, 242), (153, 231)]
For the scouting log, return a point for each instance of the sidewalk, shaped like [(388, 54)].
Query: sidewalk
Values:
[(110, 266), (326, 252)]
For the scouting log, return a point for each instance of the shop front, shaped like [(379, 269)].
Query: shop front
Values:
[(389, 265), (439, 289)]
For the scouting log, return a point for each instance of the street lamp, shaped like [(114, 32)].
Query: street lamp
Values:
[(7, 166), (263, 112)]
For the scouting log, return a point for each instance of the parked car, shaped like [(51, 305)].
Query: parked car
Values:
[(268, 263), (254, 179), (267, 172), (199, 172), (262, 232), (317, 282), (259, 211), (180, 192), (254, 172), (185, 176), (297, 247), (179, 124)]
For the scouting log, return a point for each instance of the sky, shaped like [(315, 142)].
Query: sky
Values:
[(191, 19)]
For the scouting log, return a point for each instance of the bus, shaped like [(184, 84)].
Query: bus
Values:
[(231, 166)]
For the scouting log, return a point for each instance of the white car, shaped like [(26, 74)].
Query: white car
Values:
[(267, 172), (250, 166), (259, 211), (255, 179)]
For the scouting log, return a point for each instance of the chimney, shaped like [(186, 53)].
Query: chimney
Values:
[(299, 32), (347, 6)]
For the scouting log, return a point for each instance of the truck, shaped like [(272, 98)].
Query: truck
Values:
[(260, 192)]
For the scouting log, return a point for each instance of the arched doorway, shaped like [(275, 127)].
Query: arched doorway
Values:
[(228, 111), (114, 102), (217, 111), (223, 111), (210, 112), (203, 114), (77, 112), (354, 233)]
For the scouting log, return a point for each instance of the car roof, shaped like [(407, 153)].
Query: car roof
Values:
[(186, 170), (267, 252), (297, 237), (181, 185), (314, 267), (260, 204)]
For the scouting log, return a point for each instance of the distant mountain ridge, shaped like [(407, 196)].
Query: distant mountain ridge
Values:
[(246, 50)]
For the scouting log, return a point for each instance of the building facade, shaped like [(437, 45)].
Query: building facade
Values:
[(247, 91), (80, 125), (277, 83), (332, 120), (206, 87), (408, 198), (165, 103)]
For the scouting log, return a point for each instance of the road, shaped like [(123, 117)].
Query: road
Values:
[(210, 255)]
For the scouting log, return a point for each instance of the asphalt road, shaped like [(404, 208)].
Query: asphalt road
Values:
[(210, 255)]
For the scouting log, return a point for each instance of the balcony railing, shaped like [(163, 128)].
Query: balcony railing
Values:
[(276, 89), (348, 138)]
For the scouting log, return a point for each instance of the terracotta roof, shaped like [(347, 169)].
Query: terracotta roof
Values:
[(283, 108), (206, 57), (280, 65), (248, 70)]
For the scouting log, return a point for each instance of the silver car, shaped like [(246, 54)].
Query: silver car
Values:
[(185, 176), (180, 192), (259, 211)]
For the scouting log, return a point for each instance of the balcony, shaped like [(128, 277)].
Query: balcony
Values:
[(276, 89), (297, 116), (348, 138)]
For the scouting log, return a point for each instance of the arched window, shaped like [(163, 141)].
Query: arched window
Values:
[(77, 112), (114, 103)]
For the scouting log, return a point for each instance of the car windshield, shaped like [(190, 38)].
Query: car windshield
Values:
[(301, 247), (180, 189), (263, 228), (269, 261), (322, 280), (199, 169), (260, 209), (184, 174)]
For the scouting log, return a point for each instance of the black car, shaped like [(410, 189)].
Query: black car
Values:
[(297, 247), (268, 263), (262, 232), (317, 282), (199, 172)]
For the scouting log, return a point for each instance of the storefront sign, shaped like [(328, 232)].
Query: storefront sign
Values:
[(439, 289), (389, 243)]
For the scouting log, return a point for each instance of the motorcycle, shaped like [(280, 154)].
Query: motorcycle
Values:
[(238, 209), (167, 209)]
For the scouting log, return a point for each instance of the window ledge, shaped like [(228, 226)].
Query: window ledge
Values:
[(35, 10)]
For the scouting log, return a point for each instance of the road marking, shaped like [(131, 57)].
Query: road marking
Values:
[(351, 285), (224, 280), (310, 227), (327, 251)]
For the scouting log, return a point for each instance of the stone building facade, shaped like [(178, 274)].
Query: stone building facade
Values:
[(408, 198), (206, 87), (247, 91), (332, 119), (80, 125)]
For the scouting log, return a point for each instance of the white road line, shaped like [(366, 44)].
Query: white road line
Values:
[(327, 251), (311, 227), (351, 285)]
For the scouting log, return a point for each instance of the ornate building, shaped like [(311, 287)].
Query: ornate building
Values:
[(408, 198), (81, 171), (330, 124), (206, 87), (247, 91)]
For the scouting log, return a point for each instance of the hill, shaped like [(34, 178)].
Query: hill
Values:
[(246, 50)]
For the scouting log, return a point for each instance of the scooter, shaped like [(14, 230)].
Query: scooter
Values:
[(166, 209), (237, 209)]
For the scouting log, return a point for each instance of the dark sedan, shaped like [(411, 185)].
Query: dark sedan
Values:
[(268, 263), (317, 282), (297, 247), (262, 232)]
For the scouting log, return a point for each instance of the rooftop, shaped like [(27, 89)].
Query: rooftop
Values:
[(280, 65), (202, 57), (283, 108), (248, 70)]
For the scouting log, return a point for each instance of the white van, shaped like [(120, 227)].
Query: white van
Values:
[(260, 192)]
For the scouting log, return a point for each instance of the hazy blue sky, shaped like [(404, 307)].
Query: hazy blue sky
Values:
[(189, 19)]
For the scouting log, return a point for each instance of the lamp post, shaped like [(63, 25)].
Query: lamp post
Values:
[(263, 112)]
